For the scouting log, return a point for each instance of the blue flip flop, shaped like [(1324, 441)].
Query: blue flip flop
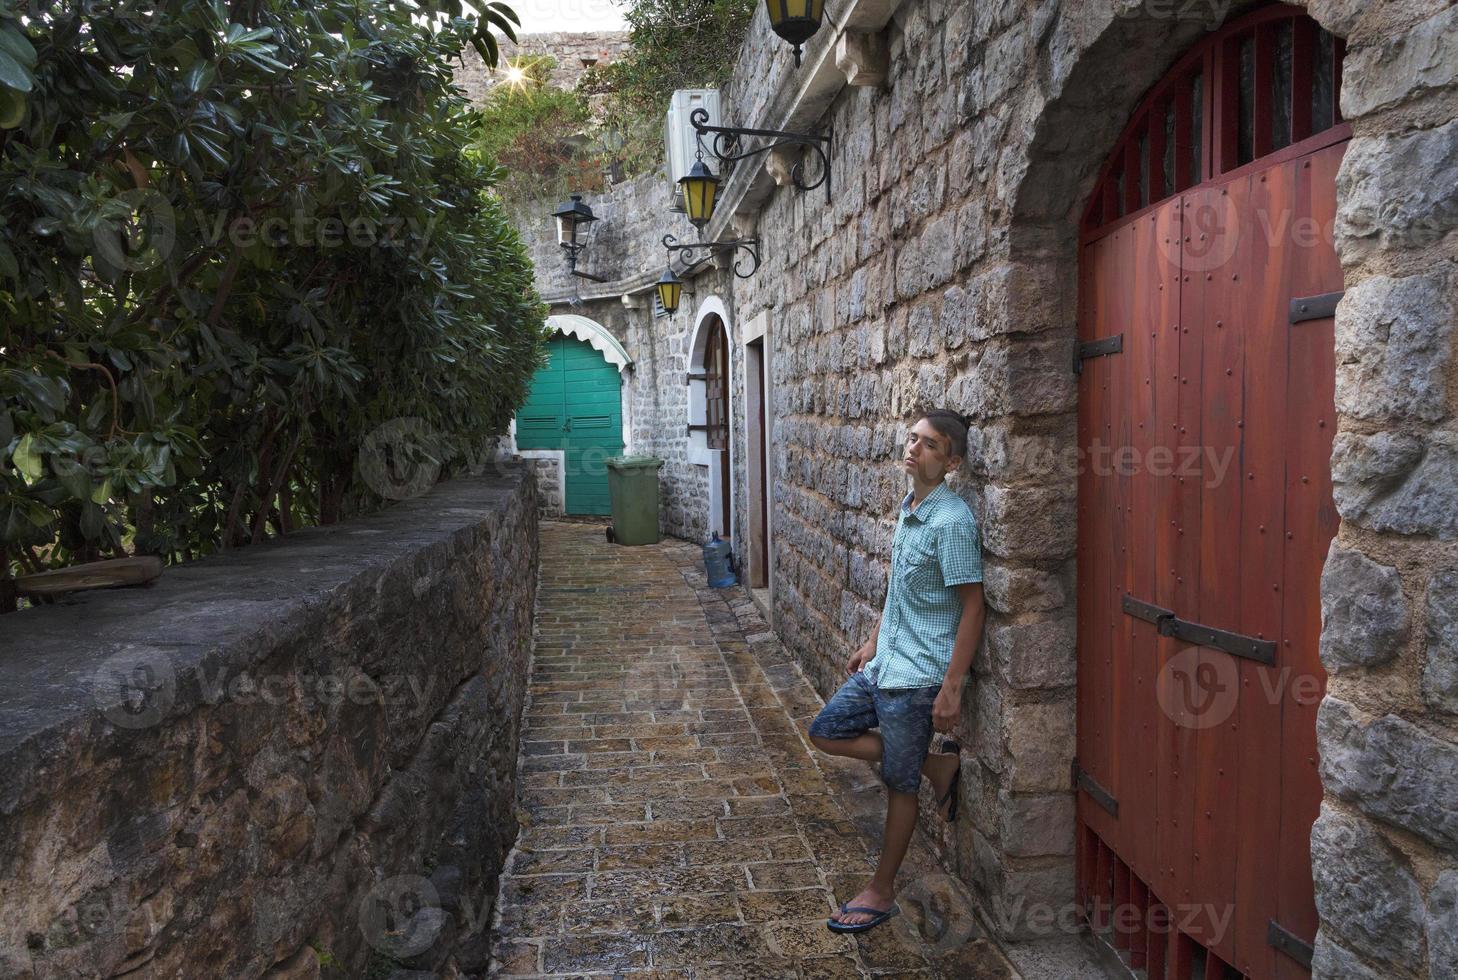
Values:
[(951, 745), (880, 917)]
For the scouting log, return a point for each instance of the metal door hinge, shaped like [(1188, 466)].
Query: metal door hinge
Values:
[(1289, 943), (1314, 307), (1236, 644), (1082, 780), (1096, 348)]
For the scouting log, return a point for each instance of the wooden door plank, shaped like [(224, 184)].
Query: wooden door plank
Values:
[(1178, 792), (1093, 706), (1126, 279), (1311, 523), (1169, 848), (1259, 303)]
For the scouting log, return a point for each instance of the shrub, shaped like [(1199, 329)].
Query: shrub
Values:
[(234, 241)]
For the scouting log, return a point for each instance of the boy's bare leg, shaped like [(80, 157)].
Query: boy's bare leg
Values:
[(901, 808), (866, 746)]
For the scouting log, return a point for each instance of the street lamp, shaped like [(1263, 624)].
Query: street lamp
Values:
[(573, 217), (730, 144), (699, 188), (670, 288), (795, 20)]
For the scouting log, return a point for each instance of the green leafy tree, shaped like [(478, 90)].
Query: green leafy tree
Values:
[(544, 138), (235, 240), (674, 44)]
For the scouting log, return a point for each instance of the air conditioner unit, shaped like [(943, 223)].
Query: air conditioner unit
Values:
[(679, 138)]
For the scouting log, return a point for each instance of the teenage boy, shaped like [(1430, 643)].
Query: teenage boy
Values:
[(907, 678)]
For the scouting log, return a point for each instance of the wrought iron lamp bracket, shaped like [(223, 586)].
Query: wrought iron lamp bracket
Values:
[(725, 147), (688, 253), (572, 252)]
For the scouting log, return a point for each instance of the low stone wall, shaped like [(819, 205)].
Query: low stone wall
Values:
[(290, 759)]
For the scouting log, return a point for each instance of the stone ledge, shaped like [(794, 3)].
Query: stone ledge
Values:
[(224, 613), (298, 705)]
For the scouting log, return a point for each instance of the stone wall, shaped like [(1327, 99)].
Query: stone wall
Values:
[(268, 759), (623, 246), (945, 271), (568, 49), (1386, 846)]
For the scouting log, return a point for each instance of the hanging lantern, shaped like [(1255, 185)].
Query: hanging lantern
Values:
[(572, 215), (795, 20), (670, 288), (699, 189)]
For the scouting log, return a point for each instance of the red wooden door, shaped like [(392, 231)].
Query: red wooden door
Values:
[(716, 408), (1205, 513)]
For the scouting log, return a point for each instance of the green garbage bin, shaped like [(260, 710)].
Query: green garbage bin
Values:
[(633, 489)]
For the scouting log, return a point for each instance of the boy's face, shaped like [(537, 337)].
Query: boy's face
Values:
[(928, 453)]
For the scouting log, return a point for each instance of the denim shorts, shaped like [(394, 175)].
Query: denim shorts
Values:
[(904, 716)]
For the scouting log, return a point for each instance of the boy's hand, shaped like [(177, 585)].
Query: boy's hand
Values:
[(859, 659), (946, 709)]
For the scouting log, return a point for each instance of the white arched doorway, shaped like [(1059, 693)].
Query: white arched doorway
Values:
[(710, 409), (551, 428)]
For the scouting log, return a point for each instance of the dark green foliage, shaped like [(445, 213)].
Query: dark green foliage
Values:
[(234, 240)]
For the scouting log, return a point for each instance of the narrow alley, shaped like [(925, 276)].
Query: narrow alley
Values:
[(675, 822)]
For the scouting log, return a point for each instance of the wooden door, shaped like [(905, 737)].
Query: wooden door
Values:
[(575, 404), (1206, 418), (716, 410)]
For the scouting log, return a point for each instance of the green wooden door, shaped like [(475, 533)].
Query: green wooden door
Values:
[(575, 405)]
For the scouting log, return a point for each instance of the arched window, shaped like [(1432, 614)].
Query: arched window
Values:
[(1268, 82)]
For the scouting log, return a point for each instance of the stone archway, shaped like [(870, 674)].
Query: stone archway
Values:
[(1393, 540), (1092, 66)]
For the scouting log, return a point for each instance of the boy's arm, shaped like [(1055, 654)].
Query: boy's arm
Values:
[(868, 650), (969, 632), (949, 699)]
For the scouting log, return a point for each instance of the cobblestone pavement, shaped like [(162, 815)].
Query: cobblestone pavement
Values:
[(675, 821)]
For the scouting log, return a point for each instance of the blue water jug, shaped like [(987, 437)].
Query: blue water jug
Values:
[(716, 563)]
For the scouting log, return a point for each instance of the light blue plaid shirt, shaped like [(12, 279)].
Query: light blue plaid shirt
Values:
[(936, 546)]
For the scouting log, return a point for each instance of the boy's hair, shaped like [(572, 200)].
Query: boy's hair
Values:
[(953, 425)]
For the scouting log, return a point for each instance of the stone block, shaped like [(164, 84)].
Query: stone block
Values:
[(1440, 668), (1393, 346), (1414, 497), (1364, 615), (1035, 903), (1030, 523), (1402, 66), (1038, 654), (926, 262), (1391, 770), (1442, 926), (1397, 191), (1037, 824), (1013, 588), (1365, 894), (1365, 468), (1331, 962), (1040, 739)]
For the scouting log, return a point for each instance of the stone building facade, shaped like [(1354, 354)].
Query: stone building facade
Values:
[(944, 270)]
